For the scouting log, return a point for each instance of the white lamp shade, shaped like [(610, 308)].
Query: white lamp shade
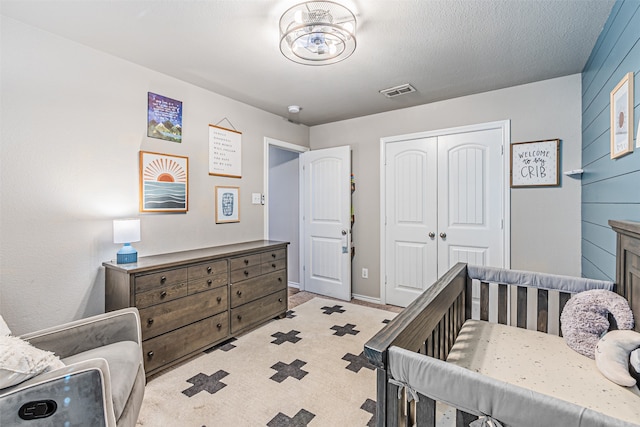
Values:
[(126, 230)]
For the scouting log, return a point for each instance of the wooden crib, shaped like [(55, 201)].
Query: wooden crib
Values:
[(430, 326)]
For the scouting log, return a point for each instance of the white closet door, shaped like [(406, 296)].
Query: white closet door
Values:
[(411, 220), (470, 220)]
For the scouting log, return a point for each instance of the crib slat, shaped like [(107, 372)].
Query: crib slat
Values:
[(502, 304), (484, 301), (522, 307), (564, 297), (425, 412), (392, 414), (463, 419), (543, 310)]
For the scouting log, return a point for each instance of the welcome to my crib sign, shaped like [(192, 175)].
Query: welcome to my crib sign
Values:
[(535, 163)]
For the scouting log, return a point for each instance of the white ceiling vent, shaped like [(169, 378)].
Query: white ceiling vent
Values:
[(398, 90)]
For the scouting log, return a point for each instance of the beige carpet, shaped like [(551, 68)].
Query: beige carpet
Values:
[(306, 369)]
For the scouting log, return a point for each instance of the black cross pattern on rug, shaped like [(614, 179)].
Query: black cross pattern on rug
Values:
[(346, 329), (370, 407), (357, 362), (290, 314), (330, 310), (225, 346), (301, 419), (290, 336), (210, 383), (289, 370)]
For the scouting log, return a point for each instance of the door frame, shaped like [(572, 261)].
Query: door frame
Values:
[(505, 127), (268, 142)]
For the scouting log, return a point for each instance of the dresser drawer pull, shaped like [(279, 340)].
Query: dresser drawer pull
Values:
[(208, 269), (239, 293), (279, 279), (163, 279), (239, 317), (163, 294), (209, 282), (246, 262), (279, 299), (273, 255), (219, 299), (150, 321), (150, 354), (273, 265), (246, 273), (219, 326)]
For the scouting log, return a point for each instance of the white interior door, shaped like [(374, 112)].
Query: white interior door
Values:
[(445, 200), (327, 221), (470, 220), (411, 261)]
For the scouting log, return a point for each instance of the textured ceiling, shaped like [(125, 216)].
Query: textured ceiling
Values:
[(445, 49)]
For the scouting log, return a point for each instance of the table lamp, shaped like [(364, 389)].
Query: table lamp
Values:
[(126, 231)]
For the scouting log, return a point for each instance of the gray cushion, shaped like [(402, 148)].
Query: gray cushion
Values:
[(123, 359)]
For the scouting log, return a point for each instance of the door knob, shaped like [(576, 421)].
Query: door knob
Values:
[(344, 232), (432, 234), (443, 235)]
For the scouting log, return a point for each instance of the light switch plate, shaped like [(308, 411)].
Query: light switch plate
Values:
[(256, 198)]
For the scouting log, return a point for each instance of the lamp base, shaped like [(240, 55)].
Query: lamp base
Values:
[(127, 254)]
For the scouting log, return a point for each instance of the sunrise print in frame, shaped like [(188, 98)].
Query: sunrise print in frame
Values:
[(164, 182)]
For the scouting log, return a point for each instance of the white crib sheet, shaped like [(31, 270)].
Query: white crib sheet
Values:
[(542, 363)]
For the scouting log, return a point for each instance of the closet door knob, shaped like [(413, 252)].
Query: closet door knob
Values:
[(443, 235), (432, 234)]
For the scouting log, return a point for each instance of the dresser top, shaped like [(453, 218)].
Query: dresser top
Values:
[(195, 255)]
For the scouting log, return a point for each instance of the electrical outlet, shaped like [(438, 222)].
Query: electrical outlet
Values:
[(365, 273), (255, 198)]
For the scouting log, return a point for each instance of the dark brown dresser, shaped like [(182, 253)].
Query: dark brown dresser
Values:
[(192, 300)]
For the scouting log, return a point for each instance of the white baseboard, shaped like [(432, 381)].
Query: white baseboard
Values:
[(366, 298), (294, 285)]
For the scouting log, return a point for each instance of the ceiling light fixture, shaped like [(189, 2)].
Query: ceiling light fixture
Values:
[(317, 33)]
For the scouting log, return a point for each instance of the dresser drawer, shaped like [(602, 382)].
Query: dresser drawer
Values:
[(206, 283), (246, 273), (159, 280), (275, 265), (252, 289), (212, 268), (245, 261), (166, 348), (166, 317), (250, 314), (160, 295), (272, 255)]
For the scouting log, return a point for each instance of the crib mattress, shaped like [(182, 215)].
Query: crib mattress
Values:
[(542, 363)]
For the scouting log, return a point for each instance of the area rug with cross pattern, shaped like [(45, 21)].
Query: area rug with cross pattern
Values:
[(307, 369)]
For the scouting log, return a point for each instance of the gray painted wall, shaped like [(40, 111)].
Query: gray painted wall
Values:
[(284, 205), (545, 230), (609, 187), (73, 122)]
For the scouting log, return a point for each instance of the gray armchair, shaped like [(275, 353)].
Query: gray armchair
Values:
[(102, 383)]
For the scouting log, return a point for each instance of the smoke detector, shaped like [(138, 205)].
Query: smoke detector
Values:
[(392, 92), (294, 109)]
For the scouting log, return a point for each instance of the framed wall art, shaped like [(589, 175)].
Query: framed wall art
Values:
[(164, 118), (227, 204), (535, 163), (164, 182), (225, 152), (621, 106)]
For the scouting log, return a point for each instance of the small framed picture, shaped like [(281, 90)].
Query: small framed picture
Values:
[(227, 204), (621, 105), (535, 163)]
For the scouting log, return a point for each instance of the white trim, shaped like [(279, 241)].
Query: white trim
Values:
[(265, 191), (366, 299), (293, 285), (505, 126)]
